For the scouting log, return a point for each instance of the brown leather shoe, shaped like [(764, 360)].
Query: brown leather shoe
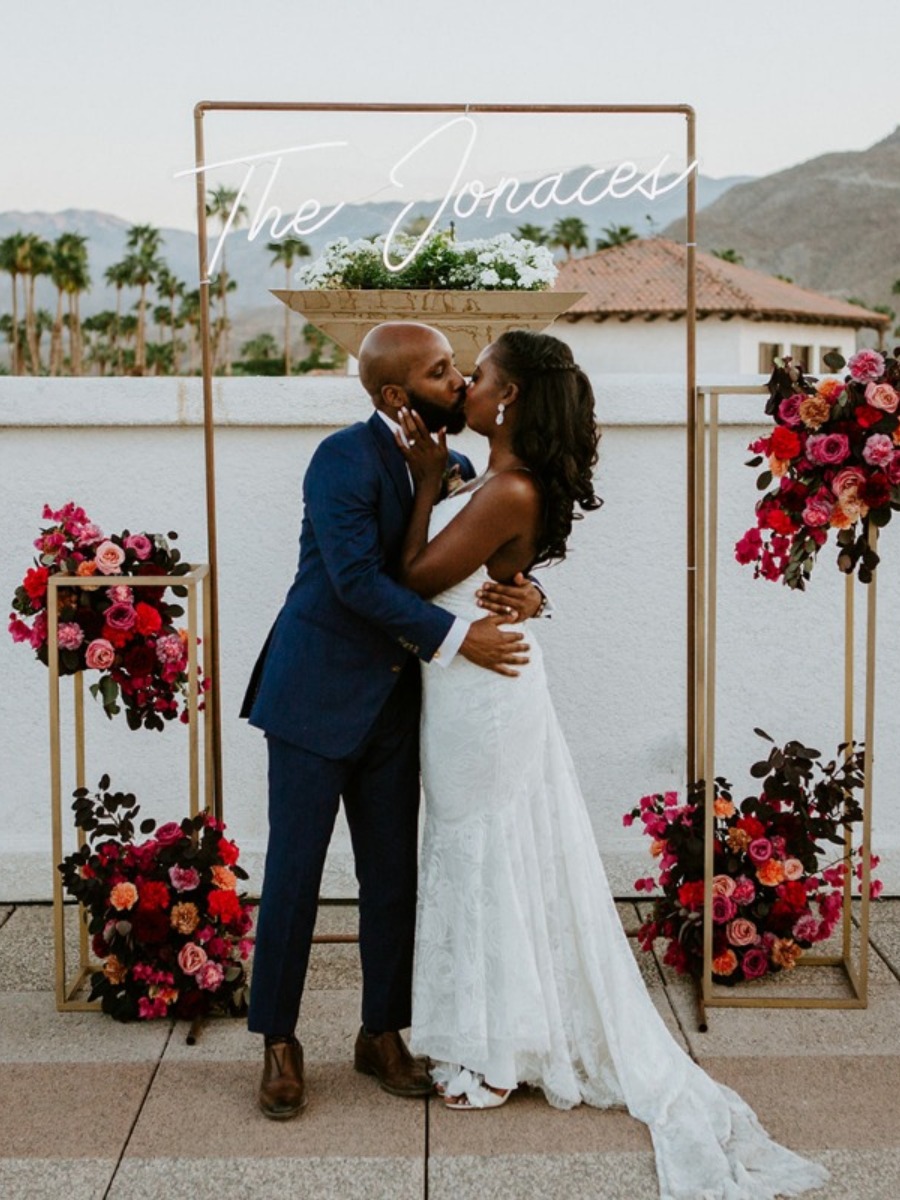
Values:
[(387, 1057), (282, 1092)]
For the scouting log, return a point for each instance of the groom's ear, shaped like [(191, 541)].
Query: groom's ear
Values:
[(393, 396)]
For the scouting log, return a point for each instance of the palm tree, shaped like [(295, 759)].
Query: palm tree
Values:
[(221, 203), (189, 316), (219, 287), (12, 259), (14, 334), (168, 287), (143, 265), (287, 252), (729, 255), (615, 235), (77, 280), (118, 276), (569, 233), (101, 329), (533, 233), (262, 346), (37, 259)]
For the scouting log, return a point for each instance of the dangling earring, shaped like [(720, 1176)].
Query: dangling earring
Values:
[(501, 409)]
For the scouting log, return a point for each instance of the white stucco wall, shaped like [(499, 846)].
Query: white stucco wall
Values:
[(131, 452), (614, 346)]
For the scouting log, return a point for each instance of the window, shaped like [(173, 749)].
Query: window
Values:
[(803, 357), (768, 352), (823, 350)]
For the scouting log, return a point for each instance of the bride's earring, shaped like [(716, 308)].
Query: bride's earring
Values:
[(501, 409)]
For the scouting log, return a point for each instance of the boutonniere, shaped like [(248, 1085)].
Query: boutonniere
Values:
[(452, 480)]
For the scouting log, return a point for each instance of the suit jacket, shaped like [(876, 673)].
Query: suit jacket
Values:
[(347, 628)]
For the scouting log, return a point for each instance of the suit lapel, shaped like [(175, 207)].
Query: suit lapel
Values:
[(392, 459)]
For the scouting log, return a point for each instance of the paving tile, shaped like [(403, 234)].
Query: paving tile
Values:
[(865, 1086), (796, 1031), (628, 915), (338, 1178), (31, 1030), (26, 948), (51, 1178), (612, 1176), (84, 1110), (5, 910), (860, 1175), (210, 1109), (329, 1023), (884, 931)]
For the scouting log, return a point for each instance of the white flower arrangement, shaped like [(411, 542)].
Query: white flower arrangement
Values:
[(500, 263)]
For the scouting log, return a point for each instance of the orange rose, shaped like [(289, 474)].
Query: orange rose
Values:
[(725, 963), (839, 519), (657, 847), (86, 568), (814, 411), (738, 840), (785, 953), (778, 466), (115, 971), (123, 896), (223, 878), (830, 389), (184, 918), (723, 808), (771, 873)]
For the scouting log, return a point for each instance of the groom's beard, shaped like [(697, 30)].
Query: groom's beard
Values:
[(435, 416)]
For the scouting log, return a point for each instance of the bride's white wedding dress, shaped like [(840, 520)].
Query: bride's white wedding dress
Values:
[(523, 972)]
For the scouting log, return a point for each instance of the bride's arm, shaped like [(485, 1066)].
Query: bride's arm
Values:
[(502, 510)]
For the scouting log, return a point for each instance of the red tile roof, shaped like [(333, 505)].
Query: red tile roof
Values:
[(647, 278)]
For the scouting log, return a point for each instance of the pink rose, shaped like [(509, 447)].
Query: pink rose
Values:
[(806, 928), (866, 365), (140, 544), (184, 879), (723, 885), (878, 450), (121, 594), (827, 449), (723, 909), (883, 396), (893, 469), (171, 649), (100, 654), (818, 511), (109, 558), (191, 958), (210, 976), (755, 963), (88, 534), (848, 479), (742, 932), (169, 833), (70, 635), (789, 408), (760, 850), (120, 616), (744, 890), (793, 868)]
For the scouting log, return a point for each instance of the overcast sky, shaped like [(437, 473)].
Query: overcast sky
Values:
[(98, 96)]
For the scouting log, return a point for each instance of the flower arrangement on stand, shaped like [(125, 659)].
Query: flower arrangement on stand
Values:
[(832, 462), (500, 263), (776, 890), (126, 633), (164, 913)]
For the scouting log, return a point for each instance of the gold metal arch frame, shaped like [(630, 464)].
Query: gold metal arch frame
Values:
[(205, 107), (854, 966)]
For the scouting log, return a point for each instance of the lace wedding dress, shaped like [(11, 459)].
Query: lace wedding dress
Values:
[(523, 972)]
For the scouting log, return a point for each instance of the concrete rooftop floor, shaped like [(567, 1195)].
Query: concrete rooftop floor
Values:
[(91, 1109)]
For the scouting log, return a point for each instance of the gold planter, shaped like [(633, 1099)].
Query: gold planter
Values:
[(471, 320)]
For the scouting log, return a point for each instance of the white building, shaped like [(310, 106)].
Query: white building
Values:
[(632, 318)]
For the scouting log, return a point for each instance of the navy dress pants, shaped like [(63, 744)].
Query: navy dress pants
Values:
[(379, 783)]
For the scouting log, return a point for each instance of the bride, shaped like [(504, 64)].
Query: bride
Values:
[(523, 974)]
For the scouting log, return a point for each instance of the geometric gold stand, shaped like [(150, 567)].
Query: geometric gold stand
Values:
[(67, 989), (706, 513)]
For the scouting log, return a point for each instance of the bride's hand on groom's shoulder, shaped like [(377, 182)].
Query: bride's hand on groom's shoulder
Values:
[(516, 601), (426, 456)]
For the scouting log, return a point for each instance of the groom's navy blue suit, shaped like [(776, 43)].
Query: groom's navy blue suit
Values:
[(336, 691)]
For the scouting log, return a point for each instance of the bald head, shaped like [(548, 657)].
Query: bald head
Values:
[(391, 352)]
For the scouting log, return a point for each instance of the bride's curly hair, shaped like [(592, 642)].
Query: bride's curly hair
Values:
[(556, 434)]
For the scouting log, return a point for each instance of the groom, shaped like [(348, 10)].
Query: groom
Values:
[(336, 691)]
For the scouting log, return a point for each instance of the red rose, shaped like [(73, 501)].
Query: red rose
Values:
[(755, 828), (147, 619), (139, 660), (784, 442), (117, 637), (690, 895), (153, 895), (224, 905), (228, 852), (875, 492), (867, 416), (793, 894), (779, 521), (35, 583), (150, 925)]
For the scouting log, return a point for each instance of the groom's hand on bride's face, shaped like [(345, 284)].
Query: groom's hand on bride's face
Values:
[(516, 601), (496, 649)]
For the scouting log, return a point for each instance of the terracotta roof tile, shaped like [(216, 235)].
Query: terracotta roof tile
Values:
[(647, 276)]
